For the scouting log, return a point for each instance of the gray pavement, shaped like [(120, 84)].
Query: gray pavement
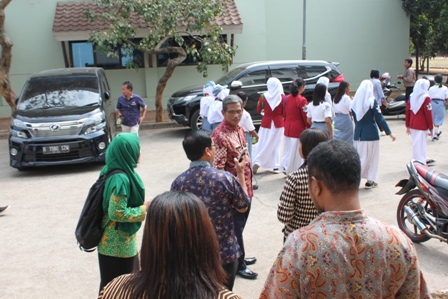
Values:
[(38, 251)]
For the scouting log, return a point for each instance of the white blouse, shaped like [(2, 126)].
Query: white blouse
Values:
[(343, 106), (319, 113), (438, 93), (246, 122)]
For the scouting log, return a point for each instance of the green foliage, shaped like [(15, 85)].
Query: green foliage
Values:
[(166, 20), (429, 25)]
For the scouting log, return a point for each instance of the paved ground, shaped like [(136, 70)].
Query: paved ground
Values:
[(38, 251)]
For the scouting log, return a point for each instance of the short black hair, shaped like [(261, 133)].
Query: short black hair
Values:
[(242, 95), (195, 143), (409, 60), (128, 85), (295, 85), (375, 74), (319, 94), (438, 79), (336, 163), (310, 138)]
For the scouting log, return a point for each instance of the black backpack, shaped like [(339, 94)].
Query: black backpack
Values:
[(88, 231)]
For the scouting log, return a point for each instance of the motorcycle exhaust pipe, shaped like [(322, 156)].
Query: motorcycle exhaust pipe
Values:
[(423, 228)]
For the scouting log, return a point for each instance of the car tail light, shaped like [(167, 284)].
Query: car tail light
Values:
[(339, 78)]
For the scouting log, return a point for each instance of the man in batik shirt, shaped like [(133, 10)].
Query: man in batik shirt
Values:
[(220, 191), (230, 140), (343, 253)]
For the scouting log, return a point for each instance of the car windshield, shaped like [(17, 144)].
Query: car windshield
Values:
[(59, 92), (226, 78)]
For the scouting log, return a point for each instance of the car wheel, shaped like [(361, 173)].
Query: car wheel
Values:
[(196, 121)]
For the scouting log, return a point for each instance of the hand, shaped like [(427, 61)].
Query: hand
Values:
[(240, 165), (147, 203), (400, 77), (392, 136), (408, 131), (140, 120)]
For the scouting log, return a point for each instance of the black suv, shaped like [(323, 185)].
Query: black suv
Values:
[(183, 105), (63, 116)]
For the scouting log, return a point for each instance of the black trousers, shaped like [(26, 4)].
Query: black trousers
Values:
[(409, 90), (112, 267), (239, 222), (231, 273)]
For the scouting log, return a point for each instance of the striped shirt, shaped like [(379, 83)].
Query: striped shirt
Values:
[(115, 290)]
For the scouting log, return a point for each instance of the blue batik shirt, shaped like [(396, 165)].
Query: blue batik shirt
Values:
[(221, 193)]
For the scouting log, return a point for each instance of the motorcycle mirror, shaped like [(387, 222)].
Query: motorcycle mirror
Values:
[(398, 82)]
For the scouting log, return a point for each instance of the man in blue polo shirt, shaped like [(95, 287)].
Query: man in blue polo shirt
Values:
[(128, 106)]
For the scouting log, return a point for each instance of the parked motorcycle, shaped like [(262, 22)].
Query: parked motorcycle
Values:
[(395, 106), (422, 213)]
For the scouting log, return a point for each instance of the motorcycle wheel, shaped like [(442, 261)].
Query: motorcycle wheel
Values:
[(412, 199)]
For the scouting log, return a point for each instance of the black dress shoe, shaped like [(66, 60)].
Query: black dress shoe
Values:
[(247, 273), (250, 260)]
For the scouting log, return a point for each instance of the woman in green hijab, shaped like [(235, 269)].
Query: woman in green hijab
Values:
[(124, 208)]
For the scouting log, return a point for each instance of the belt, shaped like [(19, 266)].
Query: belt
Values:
[(437, 100), (319, 122)]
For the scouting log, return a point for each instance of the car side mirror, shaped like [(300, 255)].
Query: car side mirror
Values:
[(16, 101), (236, 84), (107, 95)]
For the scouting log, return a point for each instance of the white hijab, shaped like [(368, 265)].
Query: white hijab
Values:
[(274, 94), (363, 100), (208, 88), (419, 94), (225, 92), (324, 80)]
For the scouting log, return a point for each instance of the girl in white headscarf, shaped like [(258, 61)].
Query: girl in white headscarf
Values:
[(325, 81), (215, 116), (206, 100), (419, 120), (366, 114), (267, 151)]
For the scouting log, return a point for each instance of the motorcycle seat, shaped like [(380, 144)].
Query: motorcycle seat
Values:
[(435, 178)]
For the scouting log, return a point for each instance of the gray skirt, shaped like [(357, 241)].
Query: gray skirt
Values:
[(322, 126), (343, 127), (438, 111)]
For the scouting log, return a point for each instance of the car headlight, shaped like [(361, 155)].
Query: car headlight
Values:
[(17, 133), (94, 124), (18, 123), (186, 99)]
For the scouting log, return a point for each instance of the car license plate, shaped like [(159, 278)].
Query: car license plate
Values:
[(56, 149)]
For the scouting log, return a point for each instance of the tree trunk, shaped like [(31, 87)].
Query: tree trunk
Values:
[(169, 70), (416, 61), (5, 59)]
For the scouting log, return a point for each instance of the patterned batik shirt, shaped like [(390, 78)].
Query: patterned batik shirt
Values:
[(346, 255), (230, 141), (221, 192), (296, 208)]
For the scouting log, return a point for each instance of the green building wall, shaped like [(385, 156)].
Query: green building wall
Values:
[(359, 34)]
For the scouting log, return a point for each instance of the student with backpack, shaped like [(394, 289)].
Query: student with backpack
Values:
[(124, 208)]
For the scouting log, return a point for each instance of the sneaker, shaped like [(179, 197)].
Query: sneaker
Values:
[(371, 184), (276, 170), (438, 134), (255, 187), (255, 168), (434, 138), (2, 209), (430, 161)]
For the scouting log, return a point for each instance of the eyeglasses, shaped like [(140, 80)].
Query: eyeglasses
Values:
[(233, 112)]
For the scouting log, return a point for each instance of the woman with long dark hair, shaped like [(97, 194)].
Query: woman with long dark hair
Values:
[(179, 255), (295, 124), (296, 209), (319, 111), (343, 123)]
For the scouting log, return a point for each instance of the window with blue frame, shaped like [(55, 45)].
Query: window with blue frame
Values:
[(83, 54)]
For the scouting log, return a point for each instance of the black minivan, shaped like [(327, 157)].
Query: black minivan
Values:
[(62, 116), (183, 105)]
